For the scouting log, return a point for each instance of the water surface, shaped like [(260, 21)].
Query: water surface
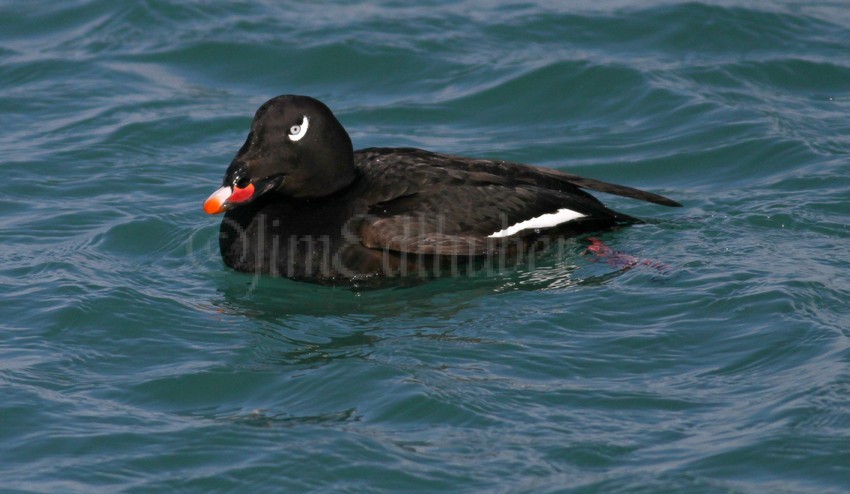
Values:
[(132, 360)]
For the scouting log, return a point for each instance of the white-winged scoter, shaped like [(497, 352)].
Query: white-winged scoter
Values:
[(301, 203)]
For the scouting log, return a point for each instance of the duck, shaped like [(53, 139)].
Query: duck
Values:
[(299, 202)]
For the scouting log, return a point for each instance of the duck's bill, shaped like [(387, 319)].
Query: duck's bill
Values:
[(226, 197)]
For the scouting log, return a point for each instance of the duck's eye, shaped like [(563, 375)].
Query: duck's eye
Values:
[(242, 182), (296, 132)]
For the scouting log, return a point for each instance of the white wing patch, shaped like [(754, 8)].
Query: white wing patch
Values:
[(545, 221)]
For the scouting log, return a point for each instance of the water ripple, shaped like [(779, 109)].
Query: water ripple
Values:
[(132, 359)]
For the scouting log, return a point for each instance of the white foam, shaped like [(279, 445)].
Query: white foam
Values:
[(544, 221)]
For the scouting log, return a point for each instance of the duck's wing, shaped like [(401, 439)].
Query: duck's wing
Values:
[(428, 203), (496, 171), (607, 187)]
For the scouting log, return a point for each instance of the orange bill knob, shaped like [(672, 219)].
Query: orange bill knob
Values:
[(241, 195)]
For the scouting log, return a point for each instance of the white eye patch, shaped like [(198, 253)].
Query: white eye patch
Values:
[(296, 132)]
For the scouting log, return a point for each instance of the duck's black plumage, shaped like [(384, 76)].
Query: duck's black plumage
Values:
[(302, 204)]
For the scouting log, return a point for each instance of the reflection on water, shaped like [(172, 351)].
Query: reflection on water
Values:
[(309, 325), (277, 299)]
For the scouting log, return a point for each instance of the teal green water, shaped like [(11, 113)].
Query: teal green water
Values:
[(132, 360)]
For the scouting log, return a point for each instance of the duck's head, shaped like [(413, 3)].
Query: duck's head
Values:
[(296, 147)]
